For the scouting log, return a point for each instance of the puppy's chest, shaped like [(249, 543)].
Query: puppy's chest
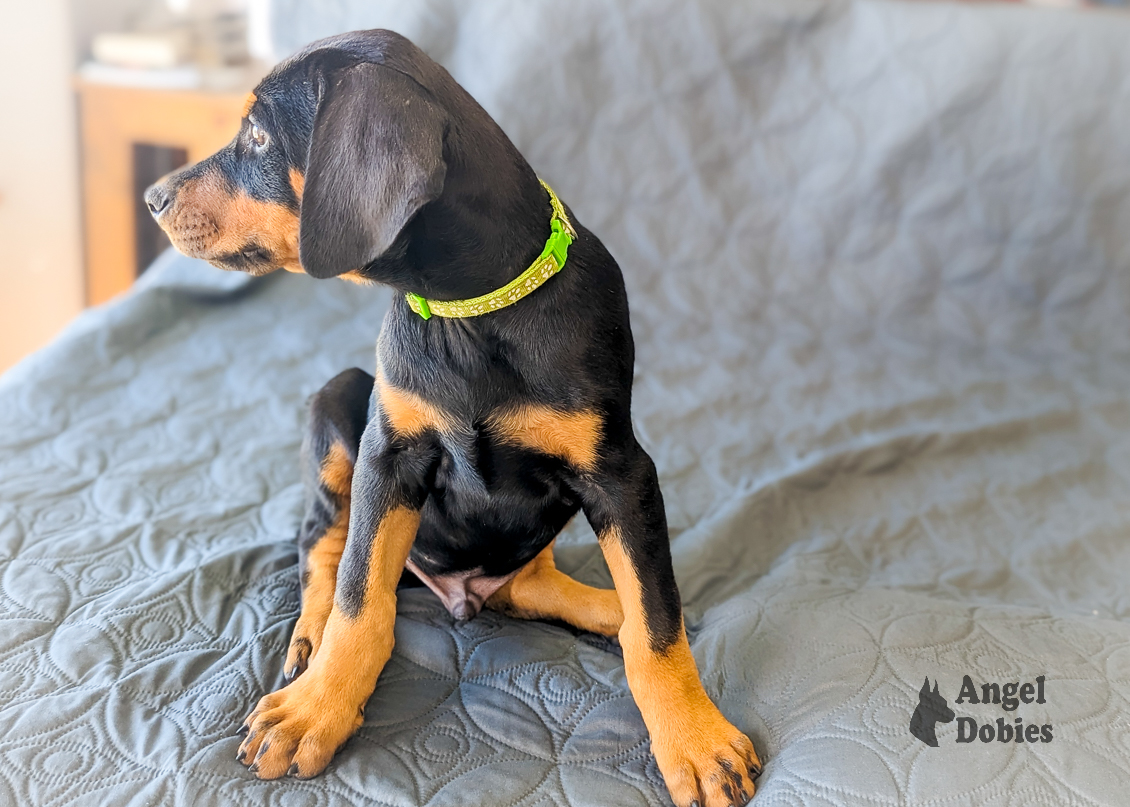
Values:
[(501, 491), (471, 434)]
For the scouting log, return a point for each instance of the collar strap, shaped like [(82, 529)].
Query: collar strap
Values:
[(550, 262)]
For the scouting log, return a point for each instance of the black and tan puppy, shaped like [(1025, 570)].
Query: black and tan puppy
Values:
[(481, 435)]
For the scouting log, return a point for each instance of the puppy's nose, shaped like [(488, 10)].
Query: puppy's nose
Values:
[(157, 199)]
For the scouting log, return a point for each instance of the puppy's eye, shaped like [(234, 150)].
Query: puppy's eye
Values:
[(258, 136)]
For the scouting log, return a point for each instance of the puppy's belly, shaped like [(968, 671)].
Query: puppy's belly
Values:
[(462, 593), (475, 536)]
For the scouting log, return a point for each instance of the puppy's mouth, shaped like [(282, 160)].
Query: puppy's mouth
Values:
[(252, 259)]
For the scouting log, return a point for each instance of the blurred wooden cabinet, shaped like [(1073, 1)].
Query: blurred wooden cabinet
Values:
[(130, 137)]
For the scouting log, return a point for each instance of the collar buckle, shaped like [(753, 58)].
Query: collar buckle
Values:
[(419, 305), (557, 247)]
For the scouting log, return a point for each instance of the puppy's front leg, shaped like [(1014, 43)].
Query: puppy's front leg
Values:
[(297, 729), (703, 758)]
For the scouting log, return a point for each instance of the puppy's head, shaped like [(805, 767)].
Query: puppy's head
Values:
[(338, 148)]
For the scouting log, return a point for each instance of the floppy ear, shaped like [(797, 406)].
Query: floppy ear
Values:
[(376, 158)]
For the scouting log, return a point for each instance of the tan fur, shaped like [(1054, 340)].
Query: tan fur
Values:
[(540, 591), (306, 722), (207, 221), (408, 413), (355, 276), (337, 471), (322, 560), (573, 436), (297, 183), (689, 736), (247, 104), (317, 594)]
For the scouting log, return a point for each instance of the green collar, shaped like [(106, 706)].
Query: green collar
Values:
[(550, 262)]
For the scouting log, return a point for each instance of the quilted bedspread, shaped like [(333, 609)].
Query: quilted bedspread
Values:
[(878, 257)]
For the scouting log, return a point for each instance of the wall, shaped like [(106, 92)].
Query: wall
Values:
[(41, 285)]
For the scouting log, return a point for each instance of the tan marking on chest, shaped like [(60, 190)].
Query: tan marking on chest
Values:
[(573, 436), (409, 414)]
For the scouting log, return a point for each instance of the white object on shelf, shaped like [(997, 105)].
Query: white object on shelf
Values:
[(185, 77), (259, 30), (144, 49)]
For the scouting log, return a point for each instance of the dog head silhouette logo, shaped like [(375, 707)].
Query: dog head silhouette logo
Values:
[(932, 709)]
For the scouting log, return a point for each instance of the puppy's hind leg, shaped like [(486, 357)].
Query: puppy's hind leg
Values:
[(337, 416), (540, 591)]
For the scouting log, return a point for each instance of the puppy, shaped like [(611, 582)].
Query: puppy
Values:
[(500, 405)]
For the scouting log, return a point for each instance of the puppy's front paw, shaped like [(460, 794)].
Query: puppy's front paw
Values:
[(711, 765), (297, 730)]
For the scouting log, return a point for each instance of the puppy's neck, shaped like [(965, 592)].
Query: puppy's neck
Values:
[(474, 239)]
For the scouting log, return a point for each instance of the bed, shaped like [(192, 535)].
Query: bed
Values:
[(878, 257)]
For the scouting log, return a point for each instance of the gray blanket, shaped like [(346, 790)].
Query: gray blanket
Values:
[(878, 257)]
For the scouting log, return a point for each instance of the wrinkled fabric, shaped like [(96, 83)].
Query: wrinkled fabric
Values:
[(878, 257)]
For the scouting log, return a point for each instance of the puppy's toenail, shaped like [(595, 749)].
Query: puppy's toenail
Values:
[(292, 770)]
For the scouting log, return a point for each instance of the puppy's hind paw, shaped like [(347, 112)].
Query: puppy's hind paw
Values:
[(297, 657)]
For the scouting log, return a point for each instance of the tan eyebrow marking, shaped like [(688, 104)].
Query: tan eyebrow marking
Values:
[(250, 102)]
